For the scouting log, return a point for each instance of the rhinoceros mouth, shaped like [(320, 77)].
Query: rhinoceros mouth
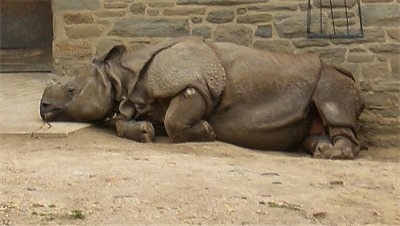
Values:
[(49, 116)]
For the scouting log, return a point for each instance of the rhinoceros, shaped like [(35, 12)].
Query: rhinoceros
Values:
[(194, 90)]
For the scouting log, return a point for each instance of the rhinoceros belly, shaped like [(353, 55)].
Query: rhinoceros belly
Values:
[(267, 97), (248, 128)]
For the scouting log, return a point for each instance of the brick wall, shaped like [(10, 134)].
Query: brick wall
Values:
[(85, 28)]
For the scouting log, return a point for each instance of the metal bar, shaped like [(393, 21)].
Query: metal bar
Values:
[(333, 18), (347, 17), (335, 35), (320, 16), (360, 16), (309, 17)]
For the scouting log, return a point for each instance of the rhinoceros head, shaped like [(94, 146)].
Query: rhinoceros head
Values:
[(86, 98)]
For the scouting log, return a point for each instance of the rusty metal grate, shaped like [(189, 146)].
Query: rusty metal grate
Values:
[(334, 19)]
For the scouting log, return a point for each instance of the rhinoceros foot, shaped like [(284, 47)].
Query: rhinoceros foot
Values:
[(342, 149), (321, 150), (206, 129), (142, 131)]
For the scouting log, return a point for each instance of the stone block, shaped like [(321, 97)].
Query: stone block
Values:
[(83, 31), (342, 22), (344, 41), (203, 31), (220, 16), (335, 56), (264, 31), (359, 57), (274, 7), (303, 6), (67, 49), (196, 19), (381, 125), (386, 48), (254, 18), (295, 25), (153, 12), (78, 18), (122, 1), (381, 15), (144, 27), (69, 68), (111, 13), (376, 100), (218, 2), (241, 11), (391, 113), (303, 43), (184, 11), (104, 21), (357, 50), (375, 71), (282, 46), (238, 34), (395, 66), (371, 137), (370, 35), (104, 45), (138, 8), (63, 5), (115, 5), (376, 1), (374, 35), (368, 116), (386, 85), (161, 4), (353, 68), (341, 14), (394, 34)]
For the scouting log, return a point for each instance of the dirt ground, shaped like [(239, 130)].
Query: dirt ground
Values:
[(93, 177)]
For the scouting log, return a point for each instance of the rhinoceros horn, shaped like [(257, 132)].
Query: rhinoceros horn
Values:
[(52, 82)]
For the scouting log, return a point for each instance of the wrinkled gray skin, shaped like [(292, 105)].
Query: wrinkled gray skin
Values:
[(197, 91)]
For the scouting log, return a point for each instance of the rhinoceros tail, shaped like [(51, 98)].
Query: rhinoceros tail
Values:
[(345, 72)]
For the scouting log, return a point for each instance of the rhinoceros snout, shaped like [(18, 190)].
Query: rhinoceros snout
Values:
[(45, 110)]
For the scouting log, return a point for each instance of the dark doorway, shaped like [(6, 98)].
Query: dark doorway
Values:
[(26, 35)]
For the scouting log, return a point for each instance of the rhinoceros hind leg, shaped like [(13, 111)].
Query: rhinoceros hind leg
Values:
[(338, 102), (183, 120), (142, 131), (333, 146)]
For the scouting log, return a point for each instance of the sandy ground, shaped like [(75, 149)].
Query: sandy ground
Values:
[(93, 177)]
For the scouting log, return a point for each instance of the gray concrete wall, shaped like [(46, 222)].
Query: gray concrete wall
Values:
[(85, 28)]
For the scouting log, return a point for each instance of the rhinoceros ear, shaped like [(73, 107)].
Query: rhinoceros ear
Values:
[(115, 53)]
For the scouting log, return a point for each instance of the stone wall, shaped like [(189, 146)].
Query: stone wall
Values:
[(85, 28)]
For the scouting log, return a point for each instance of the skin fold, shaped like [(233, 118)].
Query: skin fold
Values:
[(191, 90)]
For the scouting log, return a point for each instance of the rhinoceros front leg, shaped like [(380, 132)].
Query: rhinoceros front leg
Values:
[(141, 131), (183, 120)]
